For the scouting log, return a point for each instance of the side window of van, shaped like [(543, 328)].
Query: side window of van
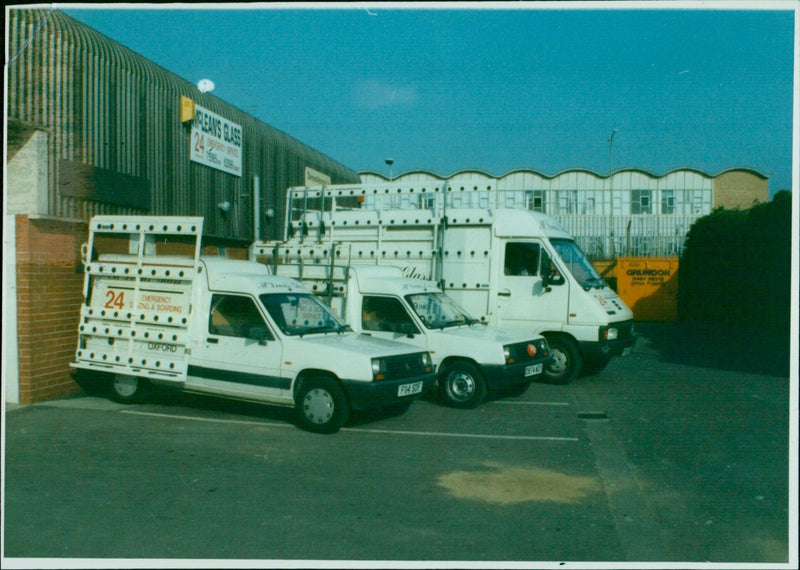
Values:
[(521, 259), (236, 315), (386, 314)]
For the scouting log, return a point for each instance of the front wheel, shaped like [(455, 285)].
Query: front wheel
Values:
[(321, 406), (566, 361), (461, 385), (127, 389)]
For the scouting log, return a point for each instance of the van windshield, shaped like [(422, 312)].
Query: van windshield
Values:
[(577, 263), (301, 313), (437, 310)]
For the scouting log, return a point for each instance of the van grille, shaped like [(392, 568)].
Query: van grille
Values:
[(404, 366), (519, 351)]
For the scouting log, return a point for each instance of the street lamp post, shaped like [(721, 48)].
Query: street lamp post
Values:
[(389, 163), (610, 253)]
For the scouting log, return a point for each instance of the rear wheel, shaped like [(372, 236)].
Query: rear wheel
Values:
[(321, 406), (566, 361), (127, 389), (461, 385)]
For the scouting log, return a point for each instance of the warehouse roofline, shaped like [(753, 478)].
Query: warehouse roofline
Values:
[(645, 171)]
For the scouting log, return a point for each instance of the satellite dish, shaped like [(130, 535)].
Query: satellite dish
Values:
[(205, 85)]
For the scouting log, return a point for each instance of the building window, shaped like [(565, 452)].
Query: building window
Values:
[(534, 200), (668, 201), (567, 201), (640, 202), (589, 206)]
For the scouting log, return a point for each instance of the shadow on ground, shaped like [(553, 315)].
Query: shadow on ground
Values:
[(721, 346)]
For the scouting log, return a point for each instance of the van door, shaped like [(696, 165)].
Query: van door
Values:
[(530, 288), (387, 317), (239, 356)]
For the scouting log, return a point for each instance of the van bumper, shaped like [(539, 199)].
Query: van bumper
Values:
[(605, 349), (375, 395), (503, 376)]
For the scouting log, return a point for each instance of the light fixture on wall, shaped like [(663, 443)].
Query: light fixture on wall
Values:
[(224, 207)]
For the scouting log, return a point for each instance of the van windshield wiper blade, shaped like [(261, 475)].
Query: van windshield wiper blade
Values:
[(454, 323), (318, 330), (593, 282)]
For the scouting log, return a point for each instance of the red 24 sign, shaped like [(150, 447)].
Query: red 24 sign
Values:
[(115, 300)]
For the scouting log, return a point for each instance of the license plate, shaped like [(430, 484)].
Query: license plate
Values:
[(533, 369), (408, 389)]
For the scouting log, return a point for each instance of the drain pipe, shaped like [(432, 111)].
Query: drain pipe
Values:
[(256, 209)]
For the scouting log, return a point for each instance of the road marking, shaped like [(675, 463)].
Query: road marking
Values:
[(512, 403), (363, 430), (209, 420), (464, 435)]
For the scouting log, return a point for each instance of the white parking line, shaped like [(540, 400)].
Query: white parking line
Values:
[(465, 435), (512, 403), (363, 430), (209, 420)]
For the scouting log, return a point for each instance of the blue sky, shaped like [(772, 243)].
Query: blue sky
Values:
[(535, 86)]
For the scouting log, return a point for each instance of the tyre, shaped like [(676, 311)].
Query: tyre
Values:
[(321, 406), (127, 389), (92, 383), (566, 361), (461, 385)]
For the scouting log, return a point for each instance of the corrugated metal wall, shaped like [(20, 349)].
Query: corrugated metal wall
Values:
[(116, 141)]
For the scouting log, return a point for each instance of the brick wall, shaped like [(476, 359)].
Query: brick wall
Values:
[(739, 190), (49, 289)]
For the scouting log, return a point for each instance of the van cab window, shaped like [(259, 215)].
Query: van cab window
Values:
[(386, 314), (238, 316), (521, 259), (297, 314)]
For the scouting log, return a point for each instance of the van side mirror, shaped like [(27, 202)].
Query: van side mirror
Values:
[(408, 329), (546, 271), (259, 333)]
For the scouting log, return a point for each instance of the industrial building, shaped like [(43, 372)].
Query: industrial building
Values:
[(631, 212), (95, 128)]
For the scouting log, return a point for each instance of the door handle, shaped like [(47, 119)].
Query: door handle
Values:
[(213, 340), (504, 293)]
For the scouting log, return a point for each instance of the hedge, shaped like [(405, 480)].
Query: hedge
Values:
[(736, 266)]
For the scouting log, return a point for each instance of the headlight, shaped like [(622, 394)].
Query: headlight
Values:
[(427, 362), (544, 347), (611, 334), (507, 355), (378, 369)]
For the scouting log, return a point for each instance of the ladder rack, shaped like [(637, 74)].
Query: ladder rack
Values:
[(137, 306)]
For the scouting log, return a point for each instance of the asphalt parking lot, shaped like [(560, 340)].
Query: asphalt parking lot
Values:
[(678, 453)]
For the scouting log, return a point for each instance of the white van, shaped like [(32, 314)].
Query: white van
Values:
[(511, 268), (227, 328), (470, 357)]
